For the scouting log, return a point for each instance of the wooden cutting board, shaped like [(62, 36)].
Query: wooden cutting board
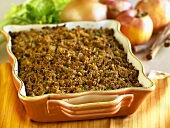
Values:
[(154, 112)]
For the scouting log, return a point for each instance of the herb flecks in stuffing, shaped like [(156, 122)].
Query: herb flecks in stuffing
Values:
[(58, 60)]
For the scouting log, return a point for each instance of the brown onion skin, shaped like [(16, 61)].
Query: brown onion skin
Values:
[(84, 10)]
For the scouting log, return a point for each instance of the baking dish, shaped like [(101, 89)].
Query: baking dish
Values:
[(84, 105)]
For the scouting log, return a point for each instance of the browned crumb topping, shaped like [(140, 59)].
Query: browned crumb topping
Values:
[(59, 60)]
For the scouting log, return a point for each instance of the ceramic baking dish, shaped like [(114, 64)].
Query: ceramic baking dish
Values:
[(84, 105)]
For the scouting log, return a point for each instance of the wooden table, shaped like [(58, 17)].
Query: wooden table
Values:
[(154, 112)]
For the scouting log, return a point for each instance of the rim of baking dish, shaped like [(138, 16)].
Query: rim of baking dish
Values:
[(143, 79)]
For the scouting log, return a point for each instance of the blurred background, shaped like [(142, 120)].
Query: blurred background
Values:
[(6, 5)]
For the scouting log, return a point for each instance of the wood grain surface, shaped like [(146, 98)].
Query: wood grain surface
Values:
[(154, 112)]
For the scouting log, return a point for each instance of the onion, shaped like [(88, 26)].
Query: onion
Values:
[(84, 10), (53, 48), (116, 6)]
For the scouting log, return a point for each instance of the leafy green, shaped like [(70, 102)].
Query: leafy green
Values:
[(34, 12)]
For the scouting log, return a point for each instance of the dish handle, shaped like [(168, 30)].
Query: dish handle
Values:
[(89, 104)]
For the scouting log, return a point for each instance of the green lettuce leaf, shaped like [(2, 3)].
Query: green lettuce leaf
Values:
[(34, 12)]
